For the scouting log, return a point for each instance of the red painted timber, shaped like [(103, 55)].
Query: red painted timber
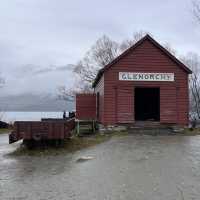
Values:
[(118, 96), (86, 106), (42, 130)]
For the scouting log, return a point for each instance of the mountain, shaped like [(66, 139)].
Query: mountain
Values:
[(34, 102)]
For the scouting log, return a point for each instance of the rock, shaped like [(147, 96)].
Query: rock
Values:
[(85, 158), (178, 129), (120, 128), (107, 129)]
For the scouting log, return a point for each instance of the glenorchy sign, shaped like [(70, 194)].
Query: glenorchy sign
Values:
[(137, 76)]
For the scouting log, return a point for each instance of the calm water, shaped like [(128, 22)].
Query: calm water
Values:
[(23, 116)]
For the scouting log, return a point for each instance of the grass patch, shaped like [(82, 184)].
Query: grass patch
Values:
[(5, 130), (189, 132), (70, 145)]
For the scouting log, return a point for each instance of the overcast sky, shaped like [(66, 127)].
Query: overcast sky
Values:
[(39, 38)]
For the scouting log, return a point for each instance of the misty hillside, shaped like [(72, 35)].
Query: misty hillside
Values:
[(32, 102)]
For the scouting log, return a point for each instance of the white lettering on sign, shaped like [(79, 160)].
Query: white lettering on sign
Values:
[(132, 76)]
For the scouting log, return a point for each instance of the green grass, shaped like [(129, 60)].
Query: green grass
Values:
[(78, 143), (70, 145), (189, 132), (5, 130)]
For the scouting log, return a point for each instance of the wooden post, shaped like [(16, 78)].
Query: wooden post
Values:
[(116, 106), (93, 126), (78, 127)]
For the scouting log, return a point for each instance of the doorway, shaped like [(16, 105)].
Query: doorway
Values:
[(147, 104)]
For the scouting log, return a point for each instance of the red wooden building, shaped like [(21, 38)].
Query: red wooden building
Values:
[(145, 83)]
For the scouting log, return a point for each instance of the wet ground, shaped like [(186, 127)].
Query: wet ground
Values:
[(128, 167)]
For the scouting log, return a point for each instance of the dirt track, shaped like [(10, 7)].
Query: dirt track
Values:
[(128, 167)]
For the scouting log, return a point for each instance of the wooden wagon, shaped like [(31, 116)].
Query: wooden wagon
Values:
[(38, 131)]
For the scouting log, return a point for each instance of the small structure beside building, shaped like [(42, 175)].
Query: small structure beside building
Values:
[(146, 83), (86, 110)]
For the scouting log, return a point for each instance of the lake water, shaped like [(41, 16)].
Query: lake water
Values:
[(26, 116)]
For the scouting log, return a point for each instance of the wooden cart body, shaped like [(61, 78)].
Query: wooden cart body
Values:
[(42, 130)]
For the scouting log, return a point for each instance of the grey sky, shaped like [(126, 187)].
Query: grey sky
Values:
[(39, 38)]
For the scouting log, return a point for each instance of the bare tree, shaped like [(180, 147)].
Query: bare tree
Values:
[(135, 38), (65, 94), (85, 71), (100, 54), (196, 9), (193, 61), (169, 48)]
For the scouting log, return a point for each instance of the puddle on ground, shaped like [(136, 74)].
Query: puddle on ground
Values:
[(129, 167)]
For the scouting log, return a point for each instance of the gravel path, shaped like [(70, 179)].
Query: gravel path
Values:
[(128, 167)]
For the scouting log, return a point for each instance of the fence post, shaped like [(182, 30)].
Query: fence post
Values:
[(78, 127)]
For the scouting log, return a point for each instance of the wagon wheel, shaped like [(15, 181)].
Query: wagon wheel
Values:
[(37, 136)]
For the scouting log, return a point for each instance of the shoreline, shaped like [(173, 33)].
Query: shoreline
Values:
[(5, 130)]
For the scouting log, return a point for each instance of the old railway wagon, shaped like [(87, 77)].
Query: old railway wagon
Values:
[(48, 130), (146, 83)]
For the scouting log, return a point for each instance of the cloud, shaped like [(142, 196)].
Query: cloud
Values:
[(43, 70), (54, 68), (33, 70), (65, 68), (50, 35)]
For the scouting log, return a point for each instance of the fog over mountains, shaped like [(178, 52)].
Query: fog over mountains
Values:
[(34, 102)]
